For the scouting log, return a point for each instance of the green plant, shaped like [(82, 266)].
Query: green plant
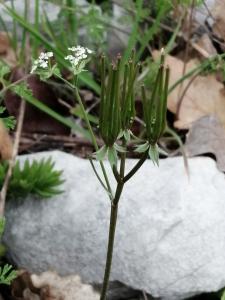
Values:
[(117, 112), (10, 121), (7, 274), (52, 36), (36, 177)]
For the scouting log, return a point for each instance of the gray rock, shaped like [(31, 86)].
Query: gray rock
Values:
[(201, 13), (50, 9), (170, 238)]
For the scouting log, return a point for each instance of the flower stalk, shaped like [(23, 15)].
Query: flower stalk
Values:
[(116, 116)]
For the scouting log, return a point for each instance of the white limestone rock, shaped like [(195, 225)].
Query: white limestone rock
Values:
[(50, 9), (170, 238)]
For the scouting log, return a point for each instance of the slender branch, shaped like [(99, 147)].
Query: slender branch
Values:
[(4, 189), (99, 178), (90, 130), (180, 102), (13, 84), (116, 174), (182, 149), (136, 167), (123, 159), (92, 138)]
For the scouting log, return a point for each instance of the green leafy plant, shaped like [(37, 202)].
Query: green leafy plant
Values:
[(36, 177), (7, 274), (116, 116), (10, 121)]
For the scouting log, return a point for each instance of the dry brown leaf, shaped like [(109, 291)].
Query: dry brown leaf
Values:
[(10, 58), (4, 42), (6, 145), (7, 54), (207, 135), (204, 95), (23, 289), (63, 288), (205, 46), (50, 286)]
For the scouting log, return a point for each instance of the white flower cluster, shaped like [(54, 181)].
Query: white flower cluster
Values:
[(42, 61), (80, 54)]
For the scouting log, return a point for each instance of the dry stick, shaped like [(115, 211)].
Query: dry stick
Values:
[(4, 189), (144, 295), (187, 87)]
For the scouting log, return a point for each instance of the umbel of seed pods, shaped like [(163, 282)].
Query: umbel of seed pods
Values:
[(117, 107)]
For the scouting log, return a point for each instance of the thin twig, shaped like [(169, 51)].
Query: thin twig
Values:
[(144, 295), (184, 93), (4, 189)]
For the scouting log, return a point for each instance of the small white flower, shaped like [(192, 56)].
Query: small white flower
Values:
[(72, 49), (79, 58), (44, 64), (42, 61), (69, 57), (50, 54), (45, 56)]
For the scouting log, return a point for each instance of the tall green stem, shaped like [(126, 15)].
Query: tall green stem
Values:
[(111, 238), (113, 217), (112, 226), (112, 229)]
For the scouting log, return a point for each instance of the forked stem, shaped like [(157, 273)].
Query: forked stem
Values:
[(113, 217)]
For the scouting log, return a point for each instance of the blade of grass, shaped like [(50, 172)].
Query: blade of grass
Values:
[(36, 24), (15, 36), (134, 34), (171, 41), (144, 41), (22, 54), (197, 70), (181, 145), (76, 111), (11, 39), (49, 30), (72, 22)]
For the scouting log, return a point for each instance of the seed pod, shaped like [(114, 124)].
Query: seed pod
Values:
[(154, 109), (110, 110), (117, 107), (128, 102)]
